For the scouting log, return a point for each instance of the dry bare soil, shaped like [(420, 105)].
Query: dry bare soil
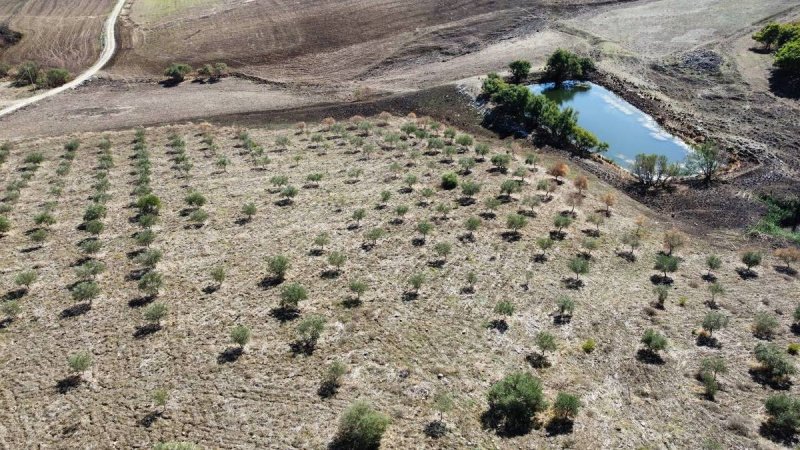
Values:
[(56, 33), (399, 350)]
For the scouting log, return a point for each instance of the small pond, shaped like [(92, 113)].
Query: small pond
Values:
[(627, 130)]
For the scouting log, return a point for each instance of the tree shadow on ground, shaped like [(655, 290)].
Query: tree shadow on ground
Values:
[(146, 330), (409, 296), (302, 347), (330, 274), (229, 355), (284, 315), (141, 301), (503, 426), (648, 356), (500, 325), (661, 279), (763, 377), (327, 389), (211, 288), (149, 419), (537, 360), (15, 294), (557, 427), (75, 310), (435, 429), (351, 302), (270, 282), (68, 384), (746, 274), (704, 340), (572, 283), (775, 433), (785, 270), (437, 263), (511, 236), (558, 235)]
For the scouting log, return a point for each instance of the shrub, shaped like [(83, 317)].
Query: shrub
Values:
[(5, 225), (401, 210), (515, 399), (44, 218), (79, 362), (545, 341), (90, 246), (673, 240), (155, 312), (322, 240), (39, 235), (520, 69), (218, 275), (374, 234), (443, 249), (509, 187), (148, 204), (310, 329), (358, 287), (774, 360), (198, 216), (240, 335), (195, 199), (516, 222), (90, 269), (579, 266), (359, 214), (28, 73), (751, 258), (449, 181), (714, 321), (145, 237), (544, 244), (788, 255), (588, 345), (464, 140), (764, 325), (666, 264), (151, 283), (558, 170), (26, 278), (416, 281), (472, 224), (249, 210), (10, 309), (662, 292), (713, 262), (177, 71), (653, 340), (292, 295), (424, 228), (54, 78), (85, 291), (149, 258), (337, 259), (784, 412), (94, 227), (504, 308), (501, 161), (278, 265), (566, 306), (361, 427), (561, 222), (566, 406), (469, 188)]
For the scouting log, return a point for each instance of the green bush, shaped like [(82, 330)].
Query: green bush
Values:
[(653, 340), (85, 291), (151, 283), (514, 400), (79, 362), (177, 71), (155, 312), (54, 78), (278, 265), (292, 295), (774, 360), (566, 406), (361, 427), (588, 345), (764, 325), (240, 335), (784, 412), (449, 181)]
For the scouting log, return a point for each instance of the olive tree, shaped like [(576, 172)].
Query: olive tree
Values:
[(513, 401), (360, 427)]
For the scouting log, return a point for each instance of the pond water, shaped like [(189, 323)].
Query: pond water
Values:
[(627, 130)]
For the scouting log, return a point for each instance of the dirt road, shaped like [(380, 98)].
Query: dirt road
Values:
[(109, 47)]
